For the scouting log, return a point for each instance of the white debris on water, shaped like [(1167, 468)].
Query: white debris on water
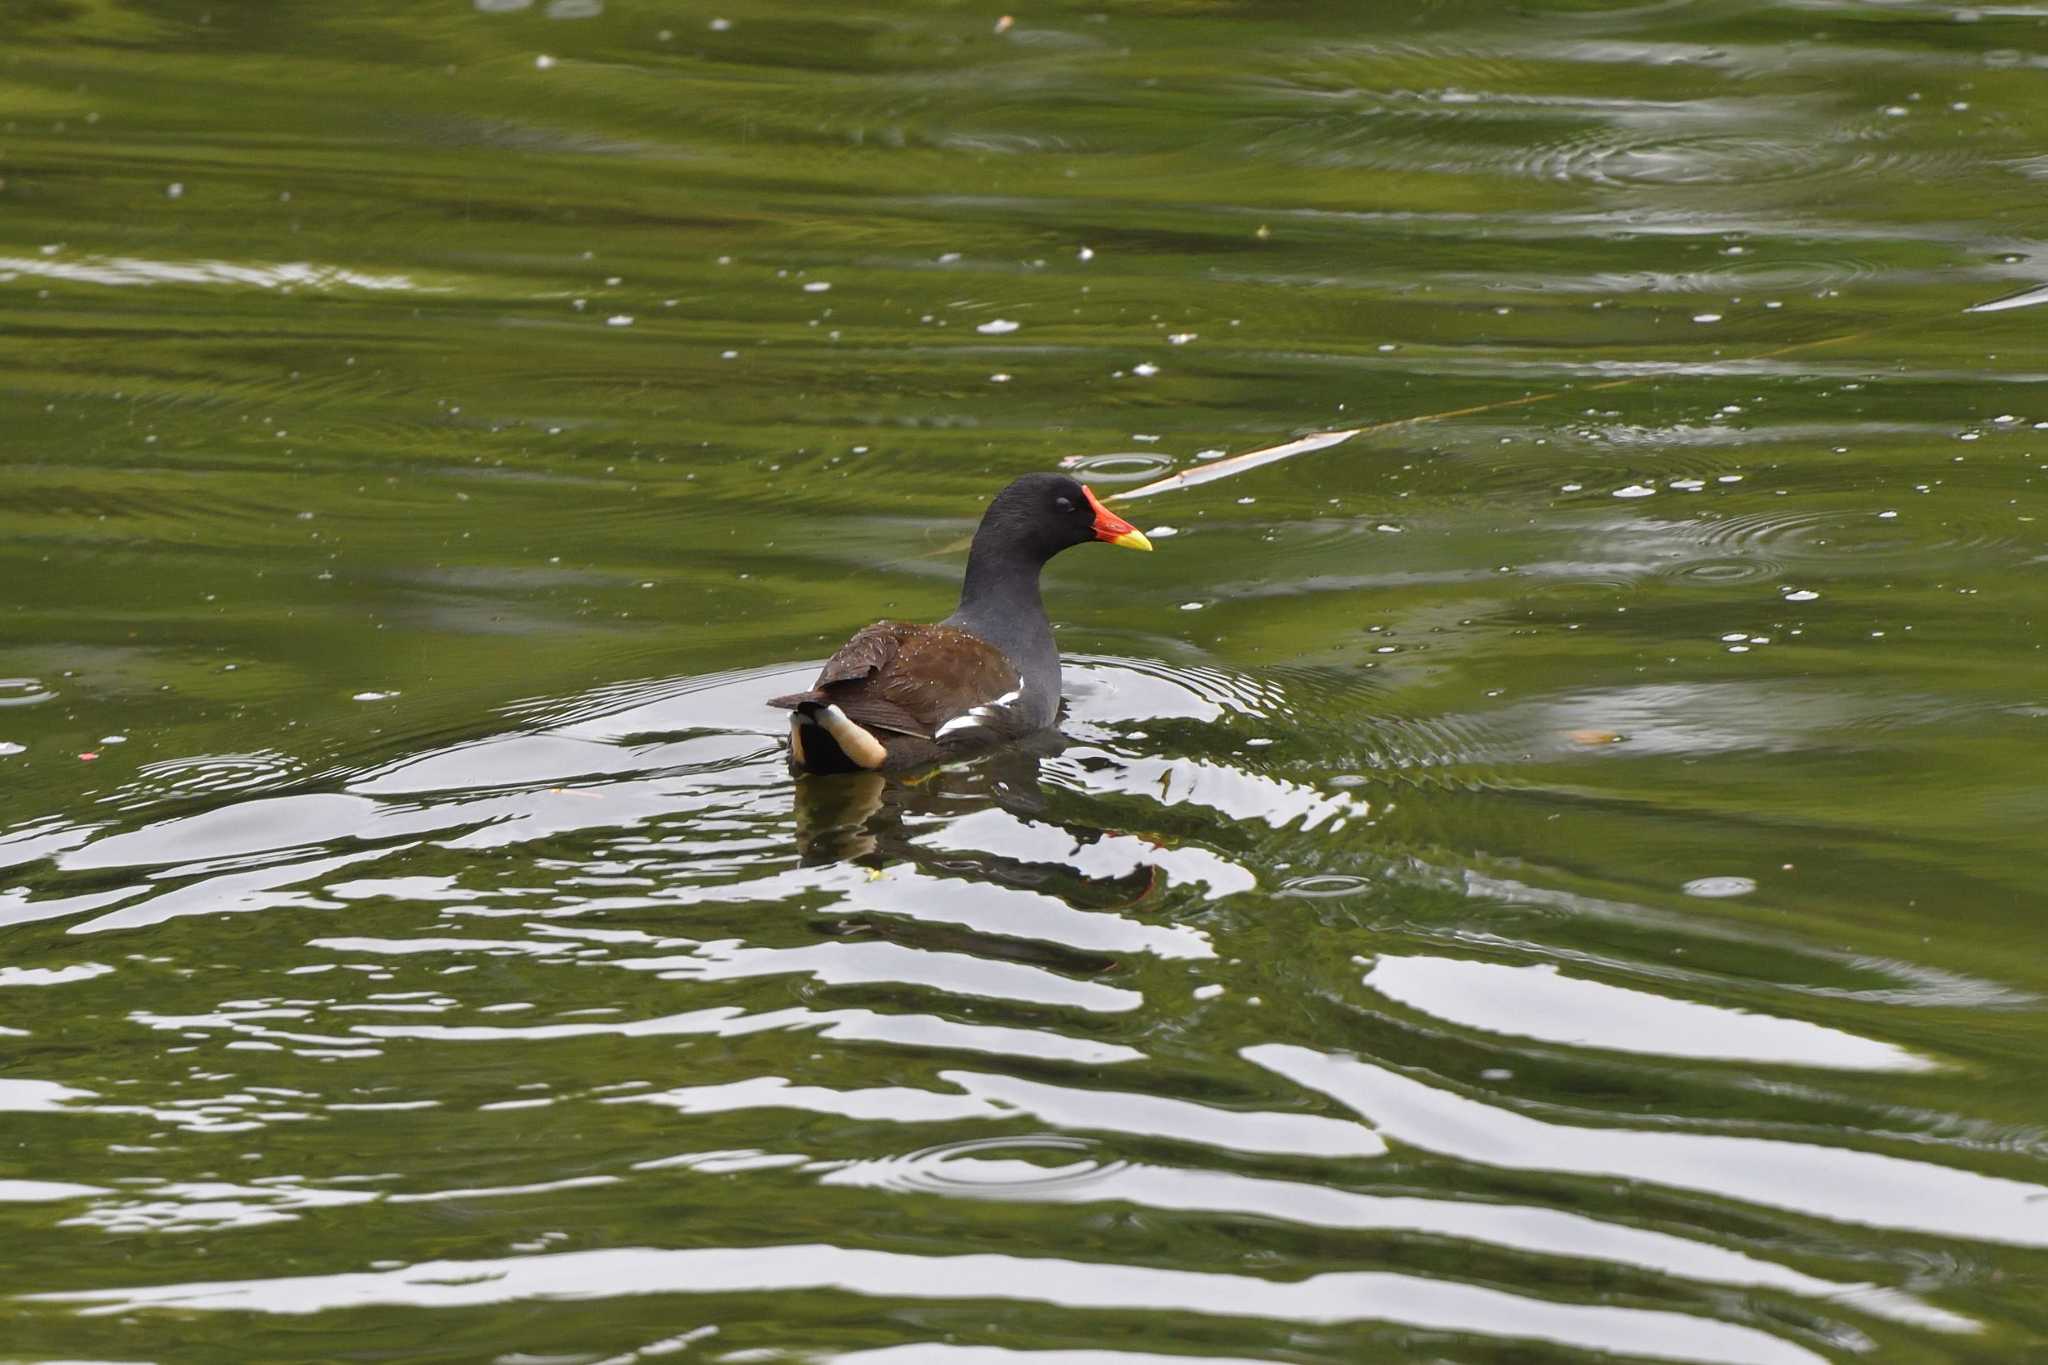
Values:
[(1717, 887)]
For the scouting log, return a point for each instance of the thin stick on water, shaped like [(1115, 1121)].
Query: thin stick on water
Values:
[(1237, 464), (1323, 440)]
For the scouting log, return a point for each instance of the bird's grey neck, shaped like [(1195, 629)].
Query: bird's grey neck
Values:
[(1000, 602)]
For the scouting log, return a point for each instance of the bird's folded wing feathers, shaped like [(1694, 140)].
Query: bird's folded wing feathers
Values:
[(910, 679)]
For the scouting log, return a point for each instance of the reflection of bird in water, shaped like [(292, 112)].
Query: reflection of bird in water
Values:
[(899, 696), (875, 821), (859, 817)]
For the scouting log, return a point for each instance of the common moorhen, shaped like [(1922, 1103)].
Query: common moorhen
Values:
[(903, 696)]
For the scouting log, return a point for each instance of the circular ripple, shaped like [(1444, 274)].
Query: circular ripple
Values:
[(204, 775), (1325, 887), (985, 1168), (1801, 539), (1724, 571), (1123, 466), (1731, 159), (1791, 274), (23, 692), (1110, 689), (1782, 535)]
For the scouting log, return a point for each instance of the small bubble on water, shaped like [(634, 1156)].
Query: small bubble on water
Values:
[(818, 287), (544, 62), (1706, 317), (1161, 532), (1801, 595), (1208, 992), (1086, 253), (1145, 369), (996, 327), (999, 378), (8, 748), (1634, 490), (1192, 606), (174, 190), (619, 320), (373, 696)]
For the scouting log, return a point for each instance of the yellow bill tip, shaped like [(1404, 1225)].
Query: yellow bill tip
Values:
[(1133, 539)]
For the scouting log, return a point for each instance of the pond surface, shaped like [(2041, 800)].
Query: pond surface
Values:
[(1555, 876)]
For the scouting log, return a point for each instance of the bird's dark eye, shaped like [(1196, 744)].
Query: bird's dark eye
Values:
[(1064, 504)]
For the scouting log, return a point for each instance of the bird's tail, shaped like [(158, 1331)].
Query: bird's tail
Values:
[(824, 739)]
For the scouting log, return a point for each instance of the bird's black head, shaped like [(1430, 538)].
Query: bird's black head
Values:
[(1042, 514)]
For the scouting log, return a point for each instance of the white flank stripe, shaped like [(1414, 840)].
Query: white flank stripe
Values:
[(975, 715)]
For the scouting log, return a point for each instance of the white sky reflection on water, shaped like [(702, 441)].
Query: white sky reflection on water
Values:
[(136, 270), (1541, 1003), (1328, 1298), (1845, 1185), (1536, 1230)]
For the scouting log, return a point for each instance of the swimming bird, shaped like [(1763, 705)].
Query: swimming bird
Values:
[(900, 696)]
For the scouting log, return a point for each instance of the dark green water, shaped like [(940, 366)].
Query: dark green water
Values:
[(1558, 881)]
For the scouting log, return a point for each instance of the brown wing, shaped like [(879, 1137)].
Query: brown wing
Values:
[(865, 655), (910, 679)]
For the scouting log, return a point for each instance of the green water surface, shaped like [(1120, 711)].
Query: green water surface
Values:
[(1555, 877)]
